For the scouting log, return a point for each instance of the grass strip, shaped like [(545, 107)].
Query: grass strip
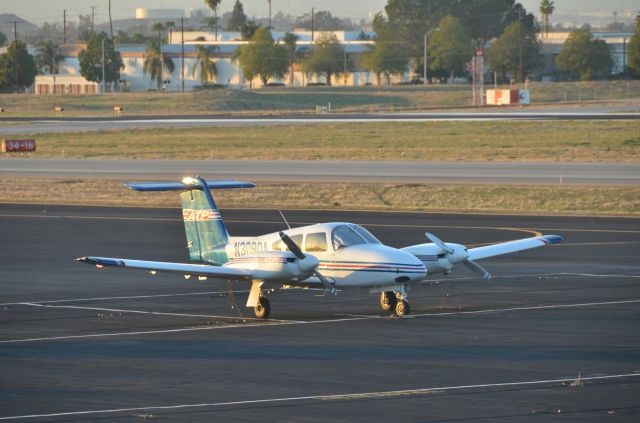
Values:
[(565, 141), (445, 198)]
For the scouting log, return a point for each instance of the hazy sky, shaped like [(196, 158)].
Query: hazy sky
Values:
[(38, 11)]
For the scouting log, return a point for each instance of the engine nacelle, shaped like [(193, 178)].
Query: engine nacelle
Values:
[(275, 265), (436, 260)]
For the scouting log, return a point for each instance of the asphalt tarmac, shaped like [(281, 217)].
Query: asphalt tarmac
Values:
[(37, 125), (333, 171), (79, 344)]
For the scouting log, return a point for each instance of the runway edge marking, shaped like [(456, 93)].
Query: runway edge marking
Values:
[(312, 322), (350, 396)]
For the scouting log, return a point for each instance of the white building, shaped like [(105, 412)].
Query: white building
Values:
[(144, 13)]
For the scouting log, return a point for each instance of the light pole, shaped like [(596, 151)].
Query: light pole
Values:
[(425, 64), (624, 56), (104, 84)]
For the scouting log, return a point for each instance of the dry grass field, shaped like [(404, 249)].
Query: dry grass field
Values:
[(456, 198), (546, 141)]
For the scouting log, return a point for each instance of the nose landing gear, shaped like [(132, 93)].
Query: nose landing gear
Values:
[(262, 310), (396, 301)]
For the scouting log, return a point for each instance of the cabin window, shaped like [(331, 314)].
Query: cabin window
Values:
[(343, 236), (316, 242), (279, 245)]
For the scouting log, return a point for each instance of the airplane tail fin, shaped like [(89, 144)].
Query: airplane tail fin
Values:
[(206, 232)]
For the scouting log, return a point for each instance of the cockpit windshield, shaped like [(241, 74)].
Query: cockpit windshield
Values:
[(366, 235), (348, 235)]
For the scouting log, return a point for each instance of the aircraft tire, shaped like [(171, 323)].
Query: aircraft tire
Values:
[(402, 308), (263, 309), (388, 300)]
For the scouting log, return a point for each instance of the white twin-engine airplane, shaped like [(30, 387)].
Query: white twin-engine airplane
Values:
[(331, 256)]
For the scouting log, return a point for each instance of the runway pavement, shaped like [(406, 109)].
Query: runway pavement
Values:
[(78, 344), (334, 171), (37, 125)]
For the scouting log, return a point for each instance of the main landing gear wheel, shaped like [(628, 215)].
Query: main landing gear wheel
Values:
[(262, 309), (402, 308), (388, 300)]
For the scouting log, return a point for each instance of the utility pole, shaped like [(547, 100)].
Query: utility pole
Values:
[(161, 62), (182, 53), (64, 26), (15, 52), (312, 24), (269, 13), (93, 9), (110, 21), (521, 47)]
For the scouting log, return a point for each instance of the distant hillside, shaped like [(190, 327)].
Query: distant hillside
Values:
[(24, 26)]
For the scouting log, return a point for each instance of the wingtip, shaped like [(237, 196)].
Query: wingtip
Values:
[(551, 239)]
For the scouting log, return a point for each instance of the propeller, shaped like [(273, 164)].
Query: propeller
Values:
[(439, 243), (476, 268), (293, 247), (470, 264)]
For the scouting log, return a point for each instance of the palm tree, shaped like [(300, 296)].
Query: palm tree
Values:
[(47, 55), (213, 5), (155, 62), (204, 64), (546, 10), (170, 26), (290, 41), (158, 27)]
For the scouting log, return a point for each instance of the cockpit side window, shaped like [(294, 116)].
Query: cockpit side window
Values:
[(343, 236), (316, 242), (366, 234), (279, 245)]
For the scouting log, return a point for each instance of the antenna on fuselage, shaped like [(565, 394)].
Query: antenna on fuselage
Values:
[(284, 218)]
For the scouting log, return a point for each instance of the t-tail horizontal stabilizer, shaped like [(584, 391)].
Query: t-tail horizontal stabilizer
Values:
[(187, 184)]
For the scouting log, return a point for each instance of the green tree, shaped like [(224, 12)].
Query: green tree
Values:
[(504, 54), (546, 10), (451, 48), (204, 64), (327, 56), (585, 57), (238, 18), (633, 53), (47, 55), (323, 21), (262, 57), (411, 19), (155, 63), (213, 5), (290, 41), (159, 28), (388, 55), (91, 60), (487, 19), (249, 29), (3, 39), (170, 26), (26, 67), (84, 28)]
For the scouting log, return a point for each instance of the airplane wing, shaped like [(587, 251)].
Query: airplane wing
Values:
[(512, 246), (167, 267)]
